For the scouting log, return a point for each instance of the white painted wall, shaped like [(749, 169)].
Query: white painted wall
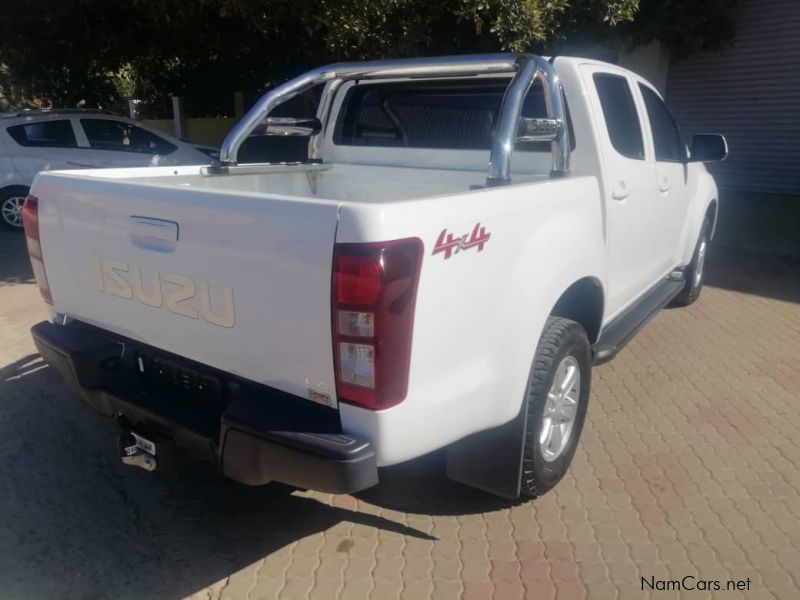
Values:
[(650, 61)]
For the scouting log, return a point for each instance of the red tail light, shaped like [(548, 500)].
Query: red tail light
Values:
[(30, 222), (374, 296)]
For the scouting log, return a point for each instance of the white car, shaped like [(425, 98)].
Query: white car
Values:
[(469, 236), (49, 140)]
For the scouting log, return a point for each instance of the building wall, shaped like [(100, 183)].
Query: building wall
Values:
[(750, 92), (650, 61)]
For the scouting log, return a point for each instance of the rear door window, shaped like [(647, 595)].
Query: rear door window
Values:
[(619, 113), (106, 134), (44, 134)]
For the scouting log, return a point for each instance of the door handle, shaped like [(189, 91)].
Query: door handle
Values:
[(663, 187), (153, 234), (620, 191)]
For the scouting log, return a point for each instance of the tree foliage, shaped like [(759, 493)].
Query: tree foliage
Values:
[(103, 51), (684, 26)]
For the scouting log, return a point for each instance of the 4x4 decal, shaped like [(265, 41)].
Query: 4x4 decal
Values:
[(449, 244)]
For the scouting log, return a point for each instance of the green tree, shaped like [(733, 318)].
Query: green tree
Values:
[(682, 25), (103, 51)]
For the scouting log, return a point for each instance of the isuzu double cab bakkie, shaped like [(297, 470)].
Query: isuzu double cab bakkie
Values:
[(468, 236)]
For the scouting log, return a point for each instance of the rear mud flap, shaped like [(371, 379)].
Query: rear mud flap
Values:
[(490, 460)]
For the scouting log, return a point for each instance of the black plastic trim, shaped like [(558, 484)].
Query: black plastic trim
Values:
[(490, 460), (257, 434), (621, 330), (335, 464)]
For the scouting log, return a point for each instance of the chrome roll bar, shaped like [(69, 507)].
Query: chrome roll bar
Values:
[(526, 69)]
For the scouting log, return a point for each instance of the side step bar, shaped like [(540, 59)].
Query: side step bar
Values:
[(622, 329)]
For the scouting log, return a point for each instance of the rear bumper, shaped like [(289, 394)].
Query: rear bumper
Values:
[(254, 433)]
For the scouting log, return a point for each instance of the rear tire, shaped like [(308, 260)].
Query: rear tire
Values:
[(11, 201), (695, 272), (557, 398)]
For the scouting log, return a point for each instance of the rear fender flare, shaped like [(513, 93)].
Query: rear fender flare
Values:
[(491, 459), (536, 285)]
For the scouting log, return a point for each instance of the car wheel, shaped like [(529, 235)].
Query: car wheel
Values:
[(695, 272), (11, 201), (557, 398)]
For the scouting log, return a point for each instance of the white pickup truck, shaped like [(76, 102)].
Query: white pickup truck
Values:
[(408, 288)]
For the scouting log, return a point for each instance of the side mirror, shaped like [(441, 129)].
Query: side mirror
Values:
[(708, 147), (289, 126)]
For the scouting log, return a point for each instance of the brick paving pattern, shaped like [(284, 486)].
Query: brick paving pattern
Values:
[(688, 466)]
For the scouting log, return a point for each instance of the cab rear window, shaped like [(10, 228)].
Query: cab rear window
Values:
[(44, 134), (452, 114)]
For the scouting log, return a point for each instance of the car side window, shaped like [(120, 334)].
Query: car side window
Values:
[(619, 112), (106, 134), (44, 134), (666, 136)]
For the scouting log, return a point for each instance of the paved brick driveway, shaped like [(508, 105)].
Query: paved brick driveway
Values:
[(689, 465)]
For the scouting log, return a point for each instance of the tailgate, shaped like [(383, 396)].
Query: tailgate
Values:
[(237, 281)]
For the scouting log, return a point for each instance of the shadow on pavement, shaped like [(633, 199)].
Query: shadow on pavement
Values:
[(421, 486), (14, 264), (756, 272), (81, 525), (756, 248)]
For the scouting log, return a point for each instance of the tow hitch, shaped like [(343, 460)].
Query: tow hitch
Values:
[(137, 448), (132, 453)]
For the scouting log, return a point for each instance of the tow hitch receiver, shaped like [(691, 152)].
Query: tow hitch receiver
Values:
[(137, 451), (138, 448)]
